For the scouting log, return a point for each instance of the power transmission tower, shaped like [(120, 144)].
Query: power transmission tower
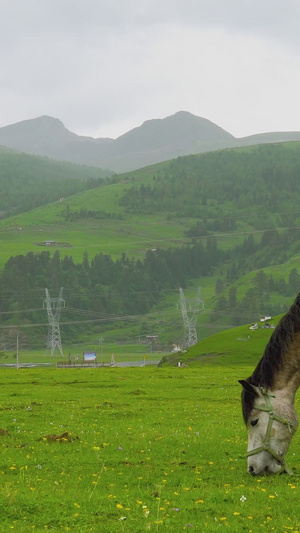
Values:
[(192, 306), (53, 306)]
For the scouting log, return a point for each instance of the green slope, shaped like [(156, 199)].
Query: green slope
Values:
[(115, 232), (97, 221), (255, 189), (28, 181), (237, 346)]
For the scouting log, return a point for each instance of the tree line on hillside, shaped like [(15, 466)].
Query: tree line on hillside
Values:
[(273, 248), (257, 300), (100, 287), (83, 213), (261, 182), (205, 227), (104, 288), (27, 182)]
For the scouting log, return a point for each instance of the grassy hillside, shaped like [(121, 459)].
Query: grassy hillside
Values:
[(253, 187), (237, 346), (227, 197), (114, 233), (27, 181)]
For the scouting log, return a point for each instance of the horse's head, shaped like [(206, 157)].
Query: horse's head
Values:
[(271, 421)]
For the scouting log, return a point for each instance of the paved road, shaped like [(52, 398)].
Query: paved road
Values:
[(122, 364), (136, 363)]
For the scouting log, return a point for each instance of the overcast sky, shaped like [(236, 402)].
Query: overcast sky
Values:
[(105, 66)]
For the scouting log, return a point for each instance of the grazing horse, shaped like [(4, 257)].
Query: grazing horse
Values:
[(268, 398)]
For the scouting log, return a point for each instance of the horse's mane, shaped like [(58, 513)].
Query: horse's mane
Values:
[(272, 359)]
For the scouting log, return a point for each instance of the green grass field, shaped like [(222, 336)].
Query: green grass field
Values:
[(134, 450), (124, 232)]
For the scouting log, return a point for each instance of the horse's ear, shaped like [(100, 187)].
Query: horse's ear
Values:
[(248, 387)]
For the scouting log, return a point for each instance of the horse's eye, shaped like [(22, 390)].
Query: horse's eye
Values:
[(254, 422)]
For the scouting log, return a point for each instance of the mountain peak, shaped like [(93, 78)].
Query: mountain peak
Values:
[(183, 129), (154, 141), (33, 123), (37, 135), (46, 119)]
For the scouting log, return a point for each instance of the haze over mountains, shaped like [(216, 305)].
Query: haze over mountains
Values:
[(154, 141)]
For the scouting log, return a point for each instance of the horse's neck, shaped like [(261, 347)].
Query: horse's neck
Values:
[(287, 378), (283, 404)]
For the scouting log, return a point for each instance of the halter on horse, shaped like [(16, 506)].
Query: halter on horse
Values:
[(266, 444), (271, 425)]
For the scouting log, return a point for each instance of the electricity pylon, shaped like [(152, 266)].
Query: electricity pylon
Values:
[(189, 322), (53, 306)]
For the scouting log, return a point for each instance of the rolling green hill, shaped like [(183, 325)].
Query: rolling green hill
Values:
[(226, 221), (231, 347), (226, 195), (27, 181)]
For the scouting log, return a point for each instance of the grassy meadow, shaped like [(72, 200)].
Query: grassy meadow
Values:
[(134, 450), (114, 234)]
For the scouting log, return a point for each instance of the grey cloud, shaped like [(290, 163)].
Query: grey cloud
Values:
[(96, 62), (81, 16)]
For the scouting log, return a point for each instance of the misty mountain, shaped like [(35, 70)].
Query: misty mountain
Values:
[(154, 141), (7, 150), (28, 181)]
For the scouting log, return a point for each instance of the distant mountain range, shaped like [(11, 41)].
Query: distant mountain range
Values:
[(154, 141)]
